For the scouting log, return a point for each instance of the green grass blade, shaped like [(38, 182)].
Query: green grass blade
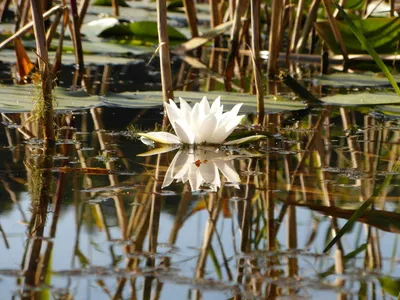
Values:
[(367, 45)]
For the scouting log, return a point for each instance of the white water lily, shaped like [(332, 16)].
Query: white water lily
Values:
[(201, 167), (202, 124)]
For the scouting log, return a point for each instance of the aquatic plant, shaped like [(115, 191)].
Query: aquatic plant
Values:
[(202, 124)]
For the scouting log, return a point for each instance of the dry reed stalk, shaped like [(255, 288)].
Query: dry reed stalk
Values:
[(24, 8), (214, 57), (232, 8), (255, 45), (312, 15), (53, 28), (335, 30), (275, 36), (46, 97), (165, 61), (105, 79), (76, 37), (392, 10), (115, 8), (3, 9), (297, 25), (83, 7), (57, 59), (190, 13), (234, 44), (29, 26), (17, 14)]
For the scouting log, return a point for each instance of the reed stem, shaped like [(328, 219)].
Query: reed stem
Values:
[(274, 36), (255, 45), (46, 97), (165, 61)]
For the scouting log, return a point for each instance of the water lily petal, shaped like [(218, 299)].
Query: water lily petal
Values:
[(179, 161), (204, 106), (233, 122), (184, 105), (147, 141), (161, 137), (216, 105), (184, 133), (185, 160), (196, 119), (206, 129), (208, 172), (236, 108), (185, 110), (218, 137), (173, 112), (224, 130), (228, 170), (229, 128), (195, 179)]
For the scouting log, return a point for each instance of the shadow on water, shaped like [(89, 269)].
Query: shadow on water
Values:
[(91, 218)]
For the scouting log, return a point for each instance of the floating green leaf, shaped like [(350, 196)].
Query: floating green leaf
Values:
[(382, 33), (354, 4), (247, 139), (370, 46), (121, 3), (140, 29), (21, 99), (362, 99), (354, 79)]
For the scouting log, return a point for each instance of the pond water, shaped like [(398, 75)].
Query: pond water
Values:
[(246, 222)]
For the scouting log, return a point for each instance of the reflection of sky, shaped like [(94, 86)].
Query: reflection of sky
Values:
[(189, 239)]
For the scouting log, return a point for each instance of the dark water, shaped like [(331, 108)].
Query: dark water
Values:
[(242, 223)]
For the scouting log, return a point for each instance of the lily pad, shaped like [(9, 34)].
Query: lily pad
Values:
[(21, 99), (121, 3), (353, 79), (272, 104), (75, 100), (140, 29), (382, 33), (8, 56), (362, 99), (354, 4)]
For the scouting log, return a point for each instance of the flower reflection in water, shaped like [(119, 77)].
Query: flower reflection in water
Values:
[(201, 167)]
